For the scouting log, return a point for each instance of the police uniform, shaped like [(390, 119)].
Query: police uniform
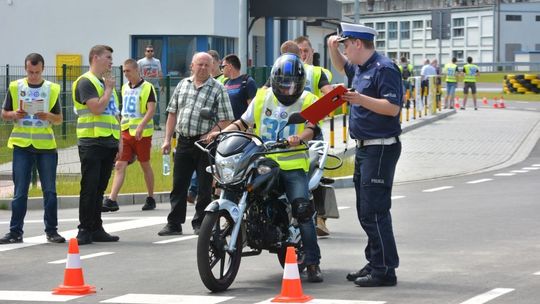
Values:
[(377, 153)]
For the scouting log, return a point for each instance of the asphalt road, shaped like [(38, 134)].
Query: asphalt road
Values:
[(463, 240)]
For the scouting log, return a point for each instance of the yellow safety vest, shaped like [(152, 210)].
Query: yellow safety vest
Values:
[(32, 131), (313, 76), (93, 126), (268, 123), (134, 102), (450, 70), (470, 71), (221, 78)]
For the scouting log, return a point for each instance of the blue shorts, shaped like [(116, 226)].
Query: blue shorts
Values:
[(451, 88)]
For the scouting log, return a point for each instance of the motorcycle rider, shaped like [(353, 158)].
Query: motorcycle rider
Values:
[(268, 113)]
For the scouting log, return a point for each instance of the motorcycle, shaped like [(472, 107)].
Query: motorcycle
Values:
[(252, 210)]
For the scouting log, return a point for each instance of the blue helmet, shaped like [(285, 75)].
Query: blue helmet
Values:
[(288, 78)]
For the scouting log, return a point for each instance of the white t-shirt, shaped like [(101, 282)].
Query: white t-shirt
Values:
[(150, 70), (427, 70)]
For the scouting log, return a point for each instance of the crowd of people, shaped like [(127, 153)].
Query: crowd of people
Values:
[(116, 128)]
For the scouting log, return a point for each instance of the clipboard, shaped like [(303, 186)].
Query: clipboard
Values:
[(324, 105)]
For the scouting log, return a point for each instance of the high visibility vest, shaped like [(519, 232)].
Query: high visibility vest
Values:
[(32, 131), (410, 69), (102, 125), (450, 70), (134, 102), (313, 76), (470, 71), (221, 78), (268, 122)]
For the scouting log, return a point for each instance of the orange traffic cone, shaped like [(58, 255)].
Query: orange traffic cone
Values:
[(496, 103), (73, 275), (501, 105), (484, 100), (291, 287), (457, 105)]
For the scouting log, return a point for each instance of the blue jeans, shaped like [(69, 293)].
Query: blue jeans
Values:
[(194, 186), (373, 179), (46, 163), (296, 186)]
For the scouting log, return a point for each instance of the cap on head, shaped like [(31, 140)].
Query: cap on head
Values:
[(356, 31)]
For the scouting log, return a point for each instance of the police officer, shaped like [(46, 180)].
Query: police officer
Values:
[(374, 124), (98, 139)]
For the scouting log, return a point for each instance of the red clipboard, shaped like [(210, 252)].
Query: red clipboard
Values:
[(324, 105)]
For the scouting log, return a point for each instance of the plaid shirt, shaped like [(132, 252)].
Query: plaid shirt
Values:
[(187, 102)]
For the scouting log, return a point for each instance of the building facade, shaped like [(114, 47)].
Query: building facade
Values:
[(489, 31)]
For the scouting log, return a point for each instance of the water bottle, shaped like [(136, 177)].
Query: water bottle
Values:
[(166, 164)]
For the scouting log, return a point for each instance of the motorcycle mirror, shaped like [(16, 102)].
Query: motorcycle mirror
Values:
[(208, 114), (294, 118)]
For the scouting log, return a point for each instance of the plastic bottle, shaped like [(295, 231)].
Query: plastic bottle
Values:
[(166, 164)]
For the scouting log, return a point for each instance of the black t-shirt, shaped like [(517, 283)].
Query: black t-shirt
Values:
[(85, 91), (8, 106)]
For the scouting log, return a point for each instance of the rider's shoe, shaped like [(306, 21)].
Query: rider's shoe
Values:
[(314, 274)]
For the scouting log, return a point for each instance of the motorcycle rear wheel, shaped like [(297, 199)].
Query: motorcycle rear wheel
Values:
[(217, 267)]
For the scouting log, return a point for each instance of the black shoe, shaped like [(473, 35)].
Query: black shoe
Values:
[(84, 236), (11, 238), (314, 274), (462, 108), (109, 205), (101, 235), (157, 128), (170, 229), (476, 109), (351, 276), (54, 237), (371, 281), (150, 204)]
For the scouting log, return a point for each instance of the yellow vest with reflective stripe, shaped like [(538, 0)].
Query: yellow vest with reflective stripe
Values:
[(134, 102), (93, 126), (470, 71), (450, 69), (268, 122), (313, 76), (28, 131)]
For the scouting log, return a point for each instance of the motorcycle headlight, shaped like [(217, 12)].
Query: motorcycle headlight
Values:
[(263, 169), (226, 167)]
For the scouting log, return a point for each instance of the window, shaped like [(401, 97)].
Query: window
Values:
[(405, 30), (428, 24), (515, 18), (369, 24), (392, 30), (405, 54), (537, 17), (392, 55), (458, 27), (381, 35), (458, 55), (381, 26), (380, 44), (418, 24)]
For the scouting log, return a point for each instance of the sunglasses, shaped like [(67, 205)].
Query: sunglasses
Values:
[(221, 66), (149, 51)]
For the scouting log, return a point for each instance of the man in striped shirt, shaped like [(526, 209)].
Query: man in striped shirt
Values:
[(190, 96)]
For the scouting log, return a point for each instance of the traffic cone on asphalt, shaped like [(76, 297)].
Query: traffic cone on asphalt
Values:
[(484, 100), (73, 275), (501, 105), (291, 286), (496, 104), (457, 105)]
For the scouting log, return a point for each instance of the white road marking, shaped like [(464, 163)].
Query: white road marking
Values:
[(396, 197), (488, 296), (83, 257), (536, 165), (531, 109), (438, 189), (178, 239), (537, 273), (134, 298), (76, 220), (114, 227), (331, 301), (504, 174), (480, 181), (519, 171), (344, 207), (37, 296), (530, 168)]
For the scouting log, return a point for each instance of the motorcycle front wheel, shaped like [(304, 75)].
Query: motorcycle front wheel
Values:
[(217, 266)]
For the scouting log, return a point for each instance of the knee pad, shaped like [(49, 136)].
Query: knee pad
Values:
[(303, 210)]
